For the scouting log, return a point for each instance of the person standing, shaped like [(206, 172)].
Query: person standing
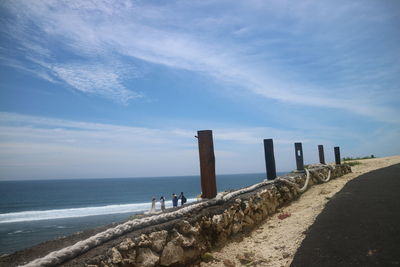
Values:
[(174, 201), (153, 205), (162, 201), (182, 198)]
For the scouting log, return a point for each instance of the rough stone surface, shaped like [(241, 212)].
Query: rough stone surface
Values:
[(126, 245), (146, 258), (172, 253), (116, 256), (158, 240)]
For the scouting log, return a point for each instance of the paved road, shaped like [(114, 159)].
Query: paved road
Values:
[(360, 225)]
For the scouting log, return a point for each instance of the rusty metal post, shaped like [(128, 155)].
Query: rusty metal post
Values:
[(207, 164), (269, 159), (299, 156), (337, 155), (321, 154)]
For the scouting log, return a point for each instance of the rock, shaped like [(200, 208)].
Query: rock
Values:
[(158, 240), (247, 207), (285, 189), (239, 216), (227, 218), (172, 253), (248, 220), (206, 223), (284, 215), (144, 241), (229, 263), (258, 216), (131, 255), (187, 228), (128, 262), (218, 222), (126, 245), (147, 258), (222, 238), (191, 254), (183, 240), (264, 210), (116, 256), (188, 241), (236, 228)]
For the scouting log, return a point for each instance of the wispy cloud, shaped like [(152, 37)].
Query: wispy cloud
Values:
[(43, 147), (68, 50), (95, 79), (266, 49)]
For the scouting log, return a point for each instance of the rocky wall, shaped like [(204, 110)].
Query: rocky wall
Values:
[(189, 234)]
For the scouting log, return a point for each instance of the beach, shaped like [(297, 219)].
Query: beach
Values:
[(276, 240)]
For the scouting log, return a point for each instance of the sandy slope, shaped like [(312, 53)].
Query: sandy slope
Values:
[(275, 241)]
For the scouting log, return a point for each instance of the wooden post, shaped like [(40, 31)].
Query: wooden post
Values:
[(207, 164), (299, 156), (321, 154), (269, 159), (337, 155)]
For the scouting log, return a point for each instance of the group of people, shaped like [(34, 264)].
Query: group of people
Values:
[(175, 199)]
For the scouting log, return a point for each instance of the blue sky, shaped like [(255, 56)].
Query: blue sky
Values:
[(119, 88)]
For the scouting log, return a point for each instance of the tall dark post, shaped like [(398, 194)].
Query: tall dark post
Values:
[(321, 154), (207, 164), (299, 156), (269, 159), (337, 155)]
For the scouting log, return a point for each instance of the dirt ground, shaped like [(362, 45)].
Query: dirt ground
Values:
[(275, 241)]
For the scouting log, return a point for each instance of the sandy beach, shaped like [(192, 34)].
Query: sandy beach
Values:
[(276, 240)]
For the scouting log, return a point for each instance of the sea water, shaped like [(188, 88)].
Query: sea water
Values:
[(35, 211)]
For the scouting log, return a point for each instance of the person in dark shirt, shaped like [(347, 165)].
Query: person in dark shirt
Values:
[(182, 198), (174, 201)]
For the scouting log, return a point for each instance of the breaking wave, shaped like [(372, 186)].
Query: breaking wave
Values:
[(37, 215)]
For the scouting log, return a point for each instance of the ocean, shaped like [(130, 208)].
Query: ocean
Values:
[(32, 212)]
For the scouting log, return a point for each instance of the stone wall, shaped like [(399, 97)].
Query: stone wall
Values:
[(181, 237)]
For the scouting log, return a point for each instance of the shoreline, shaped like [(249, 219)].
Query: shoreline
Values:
[(42, 249), (57, 215), (275, 241)]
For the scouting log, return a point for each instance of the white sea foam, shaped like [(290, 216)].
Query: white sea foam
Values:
[(19, 232), (37, 215)]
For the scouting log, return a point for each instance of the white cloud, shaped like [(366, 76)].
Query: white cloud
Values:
[(93, 69), (160, 35), (95, 79), (42, 147)]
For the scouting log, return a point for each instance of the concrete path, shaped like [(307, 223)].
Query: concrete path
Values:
[(360, 225)]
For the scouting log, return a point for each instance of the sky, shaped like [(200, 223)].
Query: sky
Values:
[(96, 89)]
